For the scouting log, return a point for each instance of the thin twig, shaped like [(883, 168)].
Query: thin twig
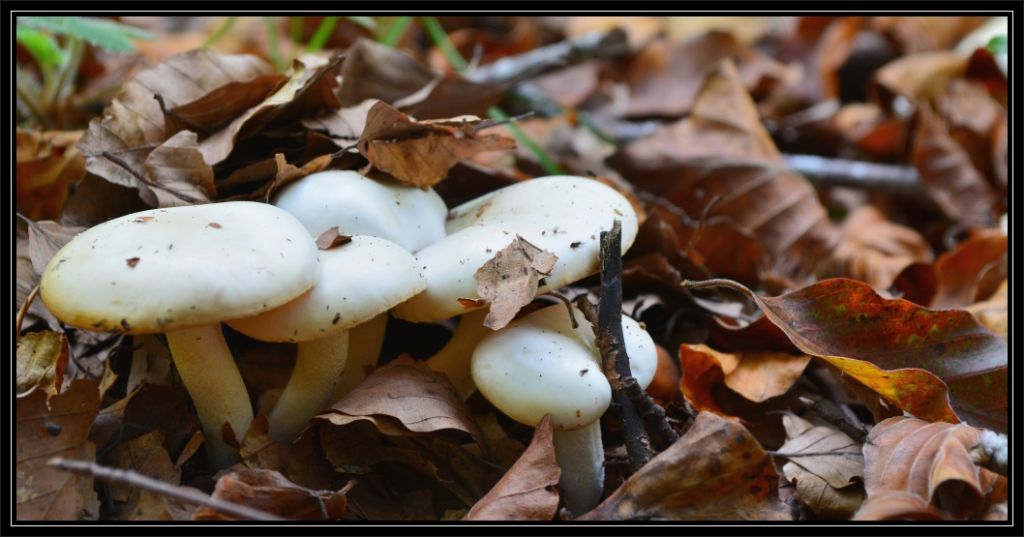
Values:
[(568, 305), (514, 69), (24, 310), (183, 494), (831, 413), (896, 180)]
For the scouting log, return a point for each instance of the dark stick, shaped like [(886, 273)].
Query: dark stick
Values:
[(513, 69), (184, 494), (902, 181), (830, 412)]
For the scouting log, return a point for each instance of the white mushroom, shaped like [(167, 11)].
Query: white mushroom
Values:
[(561, 214), (182, 271), (408, 216), (539, 364), (358, 281)]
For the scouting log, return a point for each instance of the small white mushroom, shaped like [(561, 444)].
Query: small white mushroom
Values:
[(358, 281), (539, 364), (182, 271)]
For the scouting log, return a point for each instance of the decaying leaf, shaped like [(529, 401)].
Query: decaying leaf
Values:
[(932, 462), (178, 168), (528, 489), (55, 426), (420, 153), (331, 238), (919, 77), (993, 313), (962, 272), (875, 250), (48, 163), (946, 171), (716, 471), (846, 318), (405, 398), (509, 280), (271, 492), (42, 358), (825, 465), (757, 376), (146, 455)]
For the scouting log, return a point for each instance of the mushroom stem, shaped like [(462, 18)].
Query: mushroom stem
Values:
[(455, 359), (318, 366), (364, 344), (580, 455), (212, 379)]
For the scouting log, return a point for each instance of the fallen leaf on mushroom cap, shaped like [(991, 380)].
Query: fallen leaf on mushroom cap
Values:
[(826, 466), (716, 471), (528, 489), (420, 153), (47, 164), (271, 492), (946, 171), (146, 455), (405, 397), (42, 358), (55, 426), (931, 461), (875, 250), (757, 376), (841, 320), (509, 280)]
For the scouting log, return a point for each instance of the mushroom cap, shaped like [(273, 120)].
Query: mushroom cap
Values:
[(561, 214), (539, 364), (358, 281), (408, 216), (180, 267)]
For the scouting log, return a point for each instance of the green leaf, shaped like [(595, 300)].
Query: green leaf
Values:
[(42, 47), (110, 35), (322, 34), (998, 45)]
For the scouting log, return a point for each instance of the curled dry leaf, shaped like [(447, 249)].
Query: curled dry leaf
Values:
[(343, 125), (332, 238), (946, 171), (919, 77), (528, 491), (55, 426), (967, 273), (405, 398), (931, 461), (825, 465), (509, 280), (716, 471), (757, 376), (271, 492), (48, 163), (117, 146), (421, 153), (42, 358), (874, 250), (178, 167), (993, 313), (146, 455)]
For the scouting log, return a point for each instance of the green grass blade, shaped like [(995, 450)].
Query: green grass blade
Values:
[(322, 34), (395, 31), (42, 47)]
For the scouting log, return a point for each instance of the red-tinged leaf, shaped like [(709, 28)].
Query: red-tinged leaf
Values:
[(269, 491), (528, 491), (962, 276), (757, 376), (716, 471), (915, 390), (846, 318), (931, 461)]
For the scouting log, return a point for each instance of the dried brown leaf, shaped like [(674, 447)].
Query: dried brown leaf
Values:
[(48, 163), (343, 125), (42, 358), (946, 171), (178, 167), (875, 250), (332, 238), (919, 77), (405, 398), (931, 461), (421, 153), (716, 471), (509, 280), (55, 426), (528, 490), (993, 313), (757, 376), (825, 465), (269, 491)]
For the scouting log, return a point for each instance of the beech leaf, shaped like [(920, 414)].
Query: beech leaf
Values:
[(825, 465), (509, 280)]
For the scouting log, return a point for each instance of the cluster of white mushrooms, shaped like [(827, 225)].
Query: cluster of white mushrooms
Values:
[(182, 271)]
